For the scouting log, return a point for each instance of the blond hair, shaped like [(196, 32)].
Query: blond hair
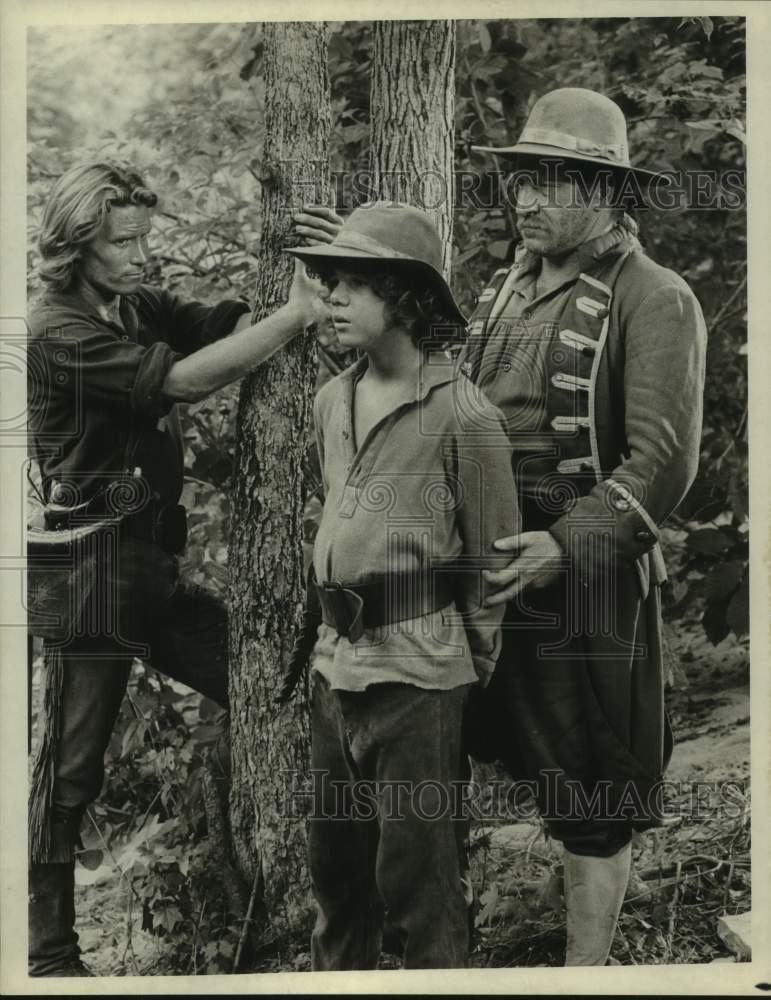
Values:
[(75, 211)]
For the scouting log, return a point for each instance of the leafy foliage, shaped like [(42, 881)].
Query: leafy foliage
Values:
[(146, 829), (192, 119)]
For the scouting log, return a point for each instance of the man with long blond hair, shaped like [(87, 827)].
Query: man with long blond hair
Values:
[(109, 356)]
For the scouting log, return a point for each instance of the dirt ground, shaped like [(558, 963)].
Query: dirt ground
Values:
[(686, 875)]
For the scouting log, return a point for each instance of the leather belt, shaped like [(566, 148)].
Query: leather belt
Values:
[(163, 524), (393, 598)]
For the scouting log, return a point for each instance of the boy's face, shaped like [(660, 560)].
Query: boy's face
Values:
[(358, 313)]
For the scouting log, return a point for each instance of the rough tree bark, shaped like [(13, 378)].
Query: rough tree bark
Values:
[(265, 558), (413, 118)]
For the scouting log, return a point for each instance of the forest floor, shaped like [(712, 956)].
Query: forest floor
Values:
[(686, 874)]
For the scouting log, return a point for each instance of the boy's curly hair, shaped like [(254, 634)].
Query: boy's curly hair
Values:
[(410, 302)]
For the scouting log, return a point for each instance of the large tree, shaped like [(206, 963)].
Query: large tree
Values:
[(266, 565), (412, 105)]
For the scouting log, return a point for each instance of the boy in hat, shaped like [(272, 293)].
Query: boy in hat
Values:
[(418, 483)]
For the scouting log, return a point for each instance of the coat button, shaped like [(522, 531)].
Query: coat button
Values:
[(602, 312), (622, 504), (506, 366), (644, 536)]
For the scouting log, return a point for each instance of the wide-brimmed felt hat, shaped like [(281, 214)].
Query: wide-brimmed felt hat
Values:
[(387, 232), (574, 124)]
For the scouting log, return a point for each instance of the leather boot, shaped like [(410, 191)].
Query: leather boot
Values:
[(594, 892), (53, 943)]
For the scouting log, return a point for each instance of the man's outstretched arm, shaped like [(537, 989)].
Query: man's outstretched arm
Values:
[(193, 378)]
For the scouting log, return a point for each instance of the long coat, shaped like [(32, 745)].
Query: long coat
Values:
[(623, 408)]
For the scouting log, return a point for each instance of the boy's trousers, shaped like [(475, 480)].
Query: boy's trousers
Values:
[(388, 770)]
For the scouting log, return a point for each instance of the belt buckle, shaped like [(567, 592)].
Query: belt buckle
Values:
[(333, 591), (347, 624)]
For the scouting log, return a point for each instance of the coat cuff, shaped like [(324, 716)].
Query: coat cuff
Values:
[(608, 526)]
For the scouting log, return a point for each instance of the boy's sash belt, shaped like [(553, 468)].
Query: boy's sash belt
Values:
[(393, 598), (351, 609)]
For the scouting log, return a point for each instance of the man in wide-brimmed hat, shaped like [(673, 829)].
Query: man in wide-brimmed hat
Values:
[(595, 356)]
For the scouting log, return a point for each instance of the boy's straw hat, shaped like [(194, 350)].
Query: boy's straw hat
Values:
[(385, 232), (578, 125)]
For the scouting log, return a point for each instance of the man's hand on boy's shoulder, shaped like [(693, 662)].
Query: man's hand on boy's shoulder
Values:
[(317, 224)]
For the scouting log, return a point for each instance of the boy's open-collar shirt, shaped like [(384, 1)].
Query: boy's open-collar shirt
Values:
[(430, 485)]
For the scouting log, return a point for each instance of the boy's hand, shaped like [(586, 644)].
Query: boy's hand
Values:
[(317, 224), (307, 294), (537, 563)]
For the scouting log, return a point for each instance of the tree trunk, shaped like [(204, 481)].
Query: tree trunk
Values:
[(413, 118), (269, 745)]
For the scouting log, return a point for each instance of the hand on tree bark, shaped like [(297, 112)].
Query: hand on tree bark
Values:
[(309, 296), (317, 224)]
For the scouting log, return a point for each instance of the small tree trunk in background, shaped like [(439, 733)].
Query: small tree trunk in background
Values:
[(413, 118), (265, 555)]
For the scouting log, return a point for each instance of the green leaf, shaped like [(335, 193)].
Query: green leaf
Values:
[(499, 249), (130, 854), (738, 611), (489, 901), (714, 623), (208, 709), (87, 876), (134, 736), (206, 734), (709, 541), (485, 39), (705, 126), (90, 859), (167, 917), (723, 581), (736, 130)]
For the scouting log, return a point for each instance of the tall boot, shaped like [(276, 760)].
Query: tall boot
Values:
[(594, 892), (53, 943)]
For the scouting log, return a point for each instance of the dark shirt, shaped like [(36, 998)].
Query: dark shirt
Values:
[(97, 410)]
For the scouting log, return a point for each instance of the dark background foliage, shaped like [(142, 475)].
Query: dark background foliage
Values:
[(185, 103)]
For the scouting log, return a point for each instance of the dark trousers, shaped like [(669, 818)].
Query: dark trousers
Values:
[(383, 839), (578, 713), (141, 608)]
